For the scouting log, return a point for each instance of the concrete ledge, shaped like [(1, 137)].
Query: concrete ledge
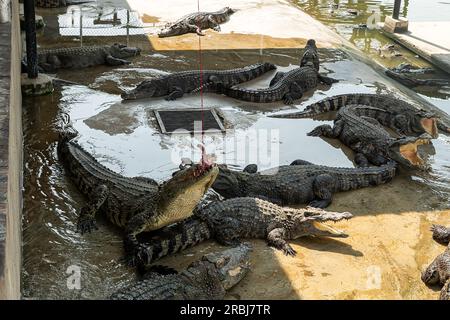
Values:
[(10, 158)]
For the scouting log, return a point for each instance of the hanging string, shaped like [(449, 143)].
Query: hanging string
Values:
[(200, 62)]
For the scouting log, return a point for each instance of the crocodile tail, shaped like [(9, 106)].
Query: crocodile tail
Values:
[(180, 236)]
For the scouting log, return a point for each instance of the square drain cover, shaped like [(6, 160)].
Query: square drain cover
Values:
[(170, 120)]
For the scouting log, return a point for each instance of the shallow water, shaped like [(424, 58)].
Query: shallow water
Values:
[(125, 138), (372, 42)]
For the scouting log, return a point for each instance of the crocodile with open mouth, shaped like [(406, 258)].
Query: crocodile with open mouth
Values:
[(438, 272), (232, 220), (196, 22), (50, 60), (136, 204), (206, 279), (358, 128), (175, 85), (399, 115)]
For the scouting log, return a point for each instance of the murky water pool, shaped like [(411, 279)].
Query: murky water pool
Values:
[(126, 138)]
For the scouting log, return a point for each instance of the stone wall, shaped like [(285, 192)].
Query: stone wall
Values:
[(11, 144)]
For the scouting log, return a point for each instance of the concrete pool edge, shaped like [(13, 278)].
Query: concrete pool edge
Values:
[(10, 159)]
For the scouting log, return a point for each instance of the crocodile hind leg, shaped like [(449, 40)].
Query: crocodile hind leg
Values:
[(276, 78), (361, 160), (275, 238), (295, 92), (322, 187), (326, 80), (175, 93), (86, 220), (112, 61)]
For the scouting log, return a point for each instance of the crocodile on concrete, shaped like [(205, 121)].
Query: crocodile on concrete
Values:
[(136, 204), (289, 86), (196, 22), (403, 117), (232, 220), (357, 127), (206, 279), (175, 85), (438, 272), (50, 60), (301, 183)]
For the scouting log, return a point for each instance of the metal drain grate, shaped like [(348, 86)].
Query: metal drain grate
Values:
[(185, 119)]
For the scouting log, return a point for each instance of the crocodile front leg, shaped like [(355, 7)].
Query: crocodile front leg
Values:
[(275, 238), (112, 61), (175, 93), (86, 220), (136, 225), (322, 191)]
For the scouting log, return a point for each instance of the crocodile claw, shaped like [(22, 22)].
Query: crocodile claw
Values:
[(86, 224), (289, 251)]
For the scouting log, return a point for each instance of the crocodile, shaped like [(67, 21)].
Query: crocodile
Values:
[(231, 220), (287, 86), (206, 279), (174, 85), (438, 272), (403, 117), (50, 60), (196, 22), (300, 183), (357, 127), (414, 82), (136, 204)]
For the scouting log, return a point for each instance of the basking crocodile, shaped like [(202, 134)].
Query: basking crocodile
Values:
[(357, 127), (232, 220), (136, 204), (196, 22), (438, 272), (414, 82), (176, 84), (402, 117), (300, 183), (50, 60), (287, 86), (206, 279)]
